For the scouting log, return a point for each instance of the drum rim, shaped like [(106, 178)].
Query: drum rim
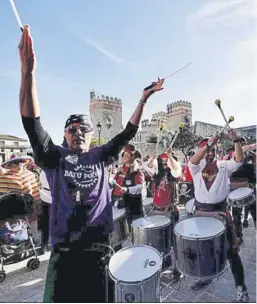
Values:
[(141, 282), (252, 191), (134, 282), (197, 238), (152, 228)]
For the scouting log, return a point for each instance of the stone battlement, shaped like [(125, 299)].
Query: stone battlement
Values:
[(105, 99), (161, 114)]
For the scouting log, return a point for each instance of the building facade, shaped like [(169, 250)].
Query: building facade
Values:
[(249, 132), (108, 111), (205, 129), (177, 112), (11, 144)]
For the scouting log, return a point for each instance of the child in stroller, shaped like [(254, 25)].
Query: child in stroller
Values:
[(16, 240)]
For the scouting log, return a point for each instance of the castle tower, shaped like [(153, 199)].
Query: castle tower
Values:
[(107, 110), (179, 111)]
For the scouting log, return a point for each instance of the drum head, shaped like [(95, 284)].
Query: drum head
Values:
[(135, 263), (190, 206), (147, 201), (116, 213), (152, 221), (240, 193), (199, 227)]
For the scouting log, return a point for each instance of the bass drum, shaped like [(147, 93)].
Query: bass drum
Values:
[(155, 231), (201, 249), (121, 228), (136, 273)]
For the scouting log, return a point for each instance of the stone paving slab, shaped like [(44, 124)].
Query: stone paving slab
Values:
[(22, 285)]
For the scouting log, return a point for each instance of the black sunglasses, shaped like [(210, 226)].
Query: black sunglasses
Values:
[(73, 130)]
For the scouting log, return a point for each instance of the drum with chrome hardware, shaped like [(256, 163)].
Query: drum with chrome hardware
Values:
[(147, 205), (241, 197), (136, 272), (200, 244), (153, 230), (121, 228), (190, 207)]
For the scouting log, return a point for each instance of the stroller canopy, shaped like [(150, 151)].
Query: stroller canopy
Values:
[(16, 204)]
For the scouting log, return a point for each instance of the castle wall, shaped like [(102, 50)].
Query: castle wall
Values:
[(108, 111)]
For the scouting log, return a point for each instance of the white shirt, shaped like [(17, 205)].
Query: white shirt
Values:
[(154, 169), (45, 193), (219, 190)]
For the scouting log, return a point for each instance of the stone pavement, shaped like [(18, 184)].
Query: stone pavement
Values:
[(22, 285)]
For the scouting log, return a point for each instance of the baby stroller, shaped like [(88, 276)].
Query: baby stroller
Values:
[(15, 235)]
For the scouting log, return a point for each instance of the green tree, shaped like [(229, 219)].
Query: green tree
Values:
[(95, 142)]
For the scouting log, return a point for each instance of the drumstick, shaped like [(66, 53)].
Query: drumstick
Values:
[(181, 126), (151, 85), (231, 118), (17, 17), (218, 104)]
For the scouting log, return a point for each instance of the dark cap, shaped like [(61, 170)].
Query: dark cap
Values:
[(79, 118)]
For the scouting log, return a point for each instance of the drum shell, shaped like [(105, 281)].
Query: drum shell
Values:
[(141, 291), (201, 258), (147, 206), (159, 238), (121, 230), (241, 202), (146, 291)]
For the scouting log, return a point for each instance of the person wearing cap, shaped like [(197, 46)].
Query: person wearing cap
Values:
[(129, 185), (211, 182), (81, 212), (19, 179)]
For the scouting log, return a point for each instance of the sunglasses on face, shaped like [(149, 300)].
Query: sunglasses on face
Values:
[(73, 130)]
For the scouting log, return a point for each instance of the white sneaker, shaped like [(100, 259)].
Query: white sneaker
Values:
[(242, 295)]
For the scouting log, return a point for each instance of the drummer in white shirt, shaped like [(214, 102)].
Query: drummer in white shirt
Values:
[(211, 182)]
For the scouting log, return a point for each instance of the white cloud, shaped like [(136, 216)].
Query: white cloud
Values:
[(217, 13), (237, 92)]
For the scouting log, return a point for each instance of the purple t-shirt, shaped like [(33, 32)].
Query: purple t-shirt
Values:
[(85, 173), (67, 173)]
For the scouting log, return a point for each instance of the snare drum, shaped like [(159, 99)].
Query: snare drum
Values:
[(201, 248), (190, 207), (121, 228), (148, 206), (240, 197), (153, 230), (136, 273)]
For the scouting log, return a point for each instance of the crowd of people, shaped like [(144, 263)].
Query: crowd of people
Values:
[(86, 184)]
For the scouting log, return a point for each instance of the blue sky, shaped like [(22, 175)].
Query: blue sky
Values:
[(119, 47)]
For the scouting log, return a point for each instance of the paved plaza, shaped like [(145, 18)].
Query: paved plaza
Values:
[(22, 285)]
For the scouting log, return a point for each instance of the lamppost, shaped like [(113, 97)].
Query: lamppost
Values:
[(99, 127)]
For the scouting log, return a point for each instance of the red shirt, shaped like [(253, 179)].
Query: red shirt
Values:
[(119, 178), (163, 194), (187, 174)]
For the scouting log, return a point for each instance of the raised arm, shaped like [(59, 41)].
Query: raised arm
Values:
[(115, 145), (29, 106)]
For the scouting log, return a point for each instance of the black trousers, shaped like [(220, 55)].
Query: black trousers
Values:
[(77, 276), (237, 213)]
